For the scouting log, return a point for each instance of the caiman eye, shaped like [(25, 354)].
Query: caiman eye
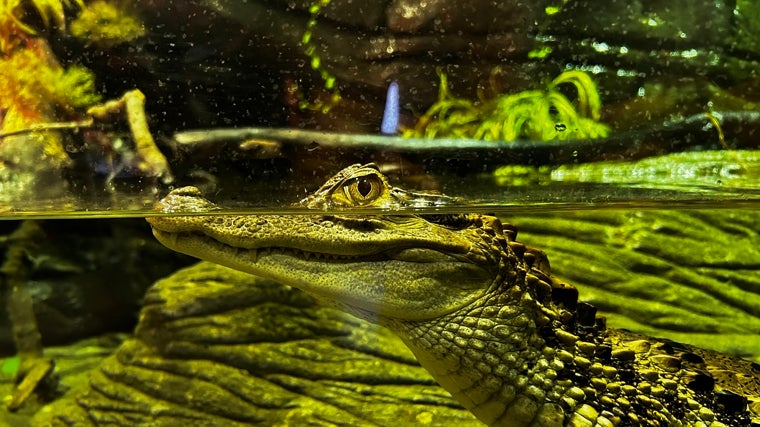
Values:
[(364, 189)]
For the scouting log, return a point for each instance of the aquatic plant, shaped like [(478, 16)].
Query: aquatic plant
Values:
[(30, 72), (105, 24), (533, 114), (11, 12), (315, 61), (34, 87)]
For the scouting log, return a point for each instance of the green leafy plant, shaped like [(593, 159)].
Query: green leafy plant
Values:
[(543, 115), (310, 49)]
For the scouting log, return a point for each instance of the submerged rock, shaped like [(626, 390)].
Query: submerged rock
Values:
[(692, 276), (219, 347)]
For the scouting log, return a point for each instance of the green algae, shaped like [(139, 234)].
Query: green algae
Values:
[(694, 171), (105, 24), (9, 366)]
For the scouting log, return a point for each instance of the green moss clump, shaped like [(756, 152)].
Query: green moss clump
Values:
[(73, 87), (533, 114), (49, 84), (105, 24), (32, 82), (36, 90), (34, 87)]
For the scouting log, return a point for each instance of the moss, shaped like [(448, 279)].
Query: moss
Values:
[(31, 80), (47, 85), (9, 366), (35, 88), (541, 114), (106, 24), (74, 86)]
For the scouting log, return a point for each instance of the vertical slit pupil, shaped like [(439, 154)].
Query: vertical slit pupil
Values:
[(364, 186)]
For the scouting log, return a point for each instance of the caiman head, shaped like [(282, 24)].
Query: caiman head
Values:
[(375, 266), (458, 289)]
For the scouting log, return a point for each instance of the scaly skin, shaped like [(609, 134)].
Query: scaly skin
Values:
[(478, 309)]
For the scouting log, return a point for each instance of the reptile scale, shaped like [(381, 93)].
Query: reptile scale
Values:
[(479, 310)]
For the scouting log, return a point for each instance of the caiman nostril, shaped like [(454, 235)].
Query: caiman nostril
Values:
[(186, 191)]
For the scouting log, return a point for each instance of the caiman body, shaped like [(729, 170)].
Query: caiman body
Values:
[(478, 309)]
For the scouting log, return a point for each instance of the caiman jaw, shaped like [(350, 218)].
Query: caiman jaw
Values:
[(351, 262), (176, 241)]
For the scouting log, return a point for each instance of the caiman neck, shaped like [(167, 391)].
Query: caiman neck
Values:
[(492, 356)]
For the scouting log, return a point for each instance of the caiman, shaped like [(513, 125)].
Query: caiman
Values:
[(480, 310)]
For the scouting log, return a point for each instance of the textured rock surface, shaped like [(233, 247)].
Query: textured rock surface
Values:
[(692, 276), (218, 347)]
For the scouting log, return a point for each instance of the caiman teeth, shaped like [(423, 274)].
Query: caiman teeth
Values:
[(173, 238), (305, 255)]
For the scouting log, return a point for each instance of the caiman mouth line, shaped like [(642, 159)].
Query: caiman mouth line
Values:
[(394, 254), (314, 256)]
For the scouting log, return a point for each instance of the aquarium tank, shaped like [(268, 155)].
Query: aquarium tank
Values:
[(392, 213)]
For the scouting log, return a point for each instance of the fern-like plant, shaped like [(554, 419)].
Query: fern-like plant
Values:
[(543, 115)]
